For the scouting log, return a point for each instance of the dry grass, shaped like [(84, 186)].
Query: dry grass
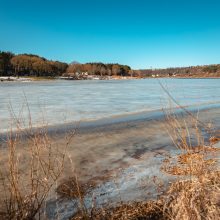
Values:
[(214, 139), (190, 163), (30, 168), (152, 210), (25, 191), (69, 187), (195, 196), (197, 199)]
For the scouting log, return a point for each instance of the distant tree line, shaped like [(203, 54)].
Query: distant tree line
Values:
[(192, 71), (33, 65), (29, 65), (99, 69)]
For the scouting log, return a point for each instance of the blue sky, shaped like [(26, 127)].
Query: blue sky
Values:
[(140, 33)]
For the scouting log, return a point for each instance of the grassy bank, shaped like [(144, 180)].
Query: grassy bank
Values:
[(196, 192), (194, 195)]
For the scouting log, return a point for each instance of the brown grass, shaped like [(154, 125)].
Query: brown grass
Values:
[(190, 163), (152, 210), (30, 168), (194, 196), (214, 139), (197, 199), (25, 191), (68, 187)]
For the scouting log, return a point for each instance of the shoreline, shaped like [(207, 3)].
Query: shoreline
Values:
[(121, 157), (119, 120), (36, 79), (121, 154)]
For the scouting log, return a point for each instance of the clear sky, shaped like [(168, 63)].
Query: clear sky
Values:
[(140, 33)]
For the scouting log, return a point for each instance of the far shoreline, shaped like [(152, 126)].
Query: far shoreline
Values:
[(42, 79)]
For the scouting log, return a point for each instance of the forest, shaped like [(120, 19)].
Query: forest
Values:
[(99, 69), (34, 65), (29, 65), (191, 71)]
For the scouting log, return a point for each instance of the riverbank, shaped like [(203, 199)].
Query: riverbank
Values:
[(24, 79), (98, 77), (115, 160), (120, 160), (14, 79)]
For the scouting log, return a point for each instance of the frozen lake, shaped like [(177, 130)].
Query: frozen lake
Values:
[(58, 102)]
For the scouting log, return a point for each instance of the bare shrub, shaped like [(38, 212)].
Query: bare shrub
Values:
[(30, 168)]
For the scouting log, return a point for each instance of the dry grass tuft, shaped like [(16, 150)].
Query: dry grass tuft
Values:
[(25, 191), (190, 158), (30, 168), (214, 139), (151, 210), (70, 189), (189, 164), (196, 199), (74, 188), (205, 149)]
